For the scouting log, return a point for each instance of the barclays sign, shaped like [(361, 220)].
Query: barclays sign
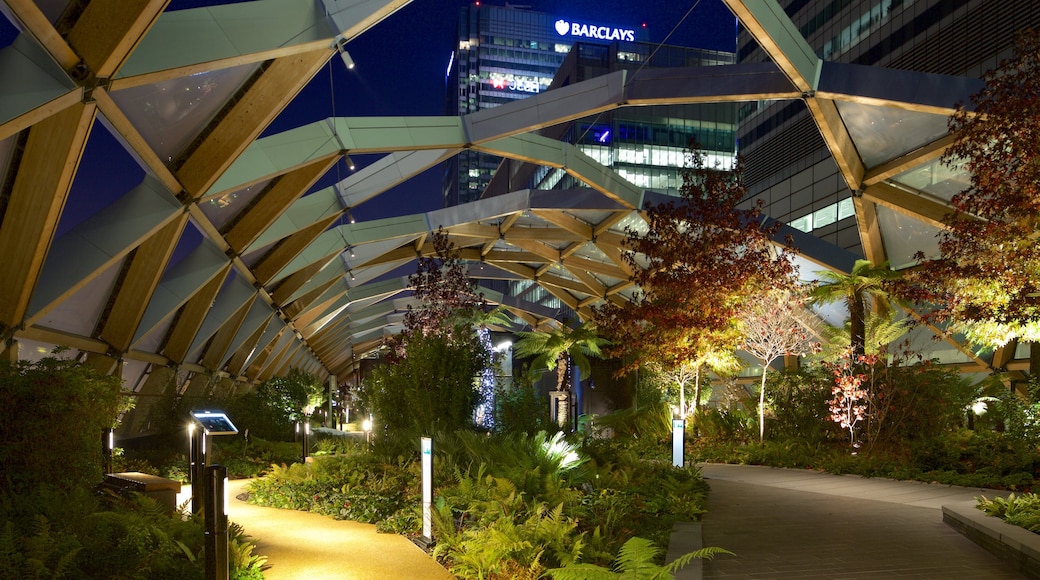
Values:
[(582, 30)]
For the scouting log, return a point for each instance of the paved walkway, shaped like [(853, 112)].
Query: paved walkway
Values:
[(302, 545), (789, 523)]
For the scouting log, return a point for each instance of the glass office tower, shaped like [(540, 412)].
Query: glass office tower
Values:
[(788, 165), (505, 54)]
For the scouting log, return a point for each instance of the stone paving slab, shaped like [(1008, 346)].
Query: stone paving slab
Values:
[(837, 530)]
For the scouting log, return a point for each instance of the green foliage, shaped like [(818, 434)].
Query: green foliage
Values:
[(51, 434), (715, 424), (561, 347), (1022, 510), (635, 561), (799, 403), (913, 401), (430, 387), (242, 562), (507, 505), (963, 457), (40, 553), (131, 537), (865, 282), (356, 486), (519, 408), (271, 410)]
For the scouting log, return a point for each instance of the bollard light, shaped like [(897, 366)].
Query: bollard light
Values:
[(108, 444)]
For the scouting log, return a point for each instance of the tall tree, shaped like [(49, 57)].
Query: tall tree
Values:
[(698, 259), (987, 277), (772, 328), (865, 282)]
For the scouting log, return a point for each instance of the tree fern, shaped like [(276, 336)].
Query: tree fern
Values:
[(635, 561)]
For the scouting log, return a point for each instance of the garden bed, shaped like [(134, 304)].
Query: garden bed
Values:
[(1008, 542)]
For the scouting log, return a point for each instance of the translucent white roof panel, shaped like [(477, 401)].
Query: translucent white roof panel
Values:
[(633, 221), (884, 133), (151, 341), (936, 178), (923, 340), (169, 114), (133, 374), (79, 313), (220, 209), (33, 351), (52, 9), (904, 236)]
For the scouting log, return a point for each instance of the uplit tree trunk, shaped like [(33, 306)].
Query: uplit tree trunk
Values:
[(762, 405)]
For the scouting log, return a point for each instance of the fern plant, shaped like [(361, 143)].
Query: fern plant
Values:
[(43, 554), (1022, 511), (635, 561)]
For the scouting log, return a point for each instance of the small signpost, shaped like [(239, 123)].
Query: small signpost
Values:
[(427, 489), (677, 442)]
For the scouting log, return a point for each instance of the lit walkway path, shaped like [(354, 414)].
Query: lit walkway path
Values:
[(789, 523), (302, 545)]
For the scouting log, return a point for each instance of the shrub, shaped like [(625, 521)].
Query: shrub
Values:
[(430, 388), (51, 436), (799, 399)]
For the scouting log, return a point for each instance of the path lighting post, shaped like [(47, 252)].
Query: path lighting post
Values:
[(108, 444), (204, 425), (366, 426), (678, 430), (216, 533), (426, 449), (305, 438)]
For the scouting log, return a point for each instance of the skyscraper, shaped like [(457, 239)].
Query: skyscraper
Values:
[(505, 54), (788, 164)]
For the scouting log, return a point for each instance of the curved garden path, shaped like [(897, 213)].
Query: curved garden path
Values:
[(305, 545)]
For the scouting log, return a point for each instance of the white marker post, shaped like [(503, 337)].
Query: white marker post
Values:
[(427, 489), (677, 442)]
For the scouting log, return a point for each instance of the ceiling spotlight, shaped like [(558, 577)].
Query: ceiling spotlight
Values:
[(351, 250), (351, 272), (341, 45), (349, 162)]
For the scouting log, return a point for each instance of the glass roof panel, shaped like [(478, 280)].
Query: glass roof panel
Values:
[(169, 114), (153, 340), (220, 209), (52, 9), (904, 236), (632, 220), (922, 340), (884, 133), (591, 252), (8, 30), (936, 178), (106, 172), (133, 374), (251, 259), (79, 313), (33, 351)]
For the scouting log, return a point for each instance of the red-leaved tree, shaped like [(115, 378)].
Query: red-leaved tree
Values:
[(987, 278), (699, 258)]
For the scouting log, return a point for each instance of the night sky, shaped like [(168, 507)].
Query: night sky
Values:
[(401, 65)]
